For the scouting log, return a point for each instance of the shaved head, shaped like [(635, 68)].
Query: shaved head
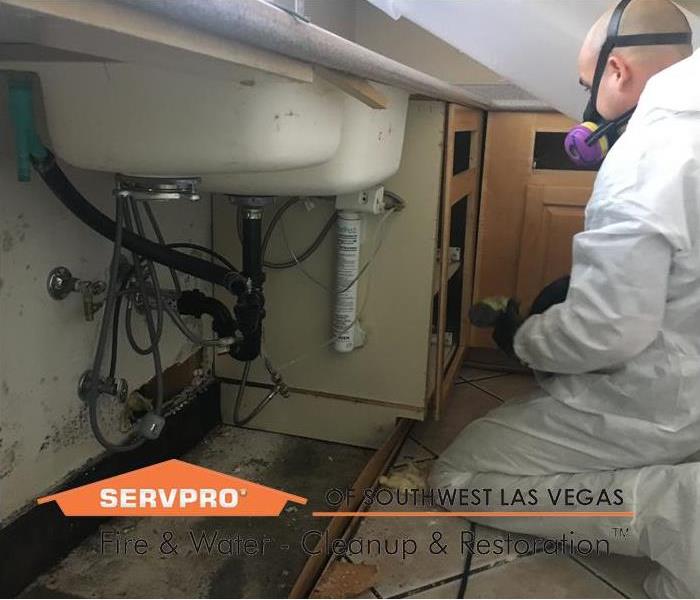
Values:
[(642, 16), (632, 66)]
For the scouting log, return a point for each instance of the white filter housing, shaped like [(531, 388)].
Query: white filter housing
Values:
[(348, 234)]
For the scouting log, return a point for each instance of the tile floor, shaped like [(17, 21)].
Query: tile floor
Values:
[(495, 575)]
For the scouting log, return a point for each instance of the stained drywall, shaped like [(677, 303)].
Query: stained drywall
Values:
[(45, 344)]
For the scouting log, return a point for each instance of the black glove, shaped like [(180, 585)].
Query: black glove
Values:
[(506, 326), (503, 314), (554, 293)]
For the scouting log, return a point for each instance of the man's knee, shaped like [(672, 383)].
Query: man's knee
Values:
[(460, 461)]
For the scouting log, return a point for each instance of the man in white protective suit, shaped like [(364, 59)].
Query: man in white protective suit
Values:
[(619, 360)]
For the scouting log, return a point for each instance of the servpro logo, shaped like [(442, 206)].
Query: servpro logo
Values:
[(169, 498), (172, 488)]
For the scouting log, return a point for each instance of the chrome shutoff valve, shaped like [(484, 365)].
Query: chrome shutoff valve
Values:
[(60, 283), (116, 387)]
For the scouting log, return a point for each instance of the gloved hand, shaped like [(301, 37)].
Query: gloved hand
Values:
[(503, 314), (506, 326), (554, 293)]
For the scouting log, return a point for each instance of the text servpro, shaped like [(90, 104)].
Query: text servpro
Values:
[(170, 498)]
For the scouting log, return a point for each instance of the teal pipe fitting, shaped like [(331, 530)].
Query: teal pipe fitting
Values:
[(27, 142)]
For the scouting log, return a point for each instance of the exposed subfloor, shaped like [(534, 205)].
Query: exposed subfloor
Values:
[(309, 468), (494, 575), (296, 465)]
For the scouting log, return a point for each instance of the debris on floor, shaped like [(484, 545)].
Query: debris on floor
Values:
[(408, 477), (346, 580)]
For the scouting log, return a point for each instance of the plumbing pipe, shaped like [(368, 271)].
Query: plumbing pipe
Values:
[(73, 200), (263, 25), (348, 232), (196, 304), (250, 308), (30, 150)]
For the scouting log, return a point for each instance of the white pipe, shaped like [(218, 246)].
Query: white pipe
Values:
[(348, 232)]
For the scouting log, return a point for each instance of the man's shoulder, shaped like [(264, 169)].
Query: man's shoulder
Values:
[(675, 88), (652, 177), (659, 137)]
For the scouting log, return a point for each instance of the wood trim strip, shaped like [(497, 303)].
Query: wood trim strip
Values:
[(456, 187), (446, 207), (380, 461), (360, 89)]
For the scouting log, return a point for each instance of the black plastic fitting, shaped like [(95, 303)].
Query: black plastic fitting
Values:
[(194, 303)]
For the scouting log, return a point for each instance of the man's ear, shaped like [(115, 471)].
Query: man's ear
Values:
[(619, 70)]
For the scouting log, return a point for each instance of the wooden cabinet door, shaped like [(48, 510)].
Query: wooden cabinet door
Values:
[(530, 209), (553, 215)]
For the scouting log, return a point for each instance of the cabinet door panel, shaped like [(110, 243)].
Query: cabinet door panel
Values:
[(553, 215)]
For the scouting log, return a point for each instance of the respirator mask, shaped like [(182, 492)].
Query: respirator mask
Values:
[(588, 143)]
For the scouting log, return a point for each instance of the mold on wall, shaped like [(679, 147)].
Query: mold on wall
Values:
[(45, 344)]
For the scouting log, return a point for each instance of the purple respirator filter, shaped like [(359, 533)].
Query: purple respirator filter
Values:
[(580, 152)]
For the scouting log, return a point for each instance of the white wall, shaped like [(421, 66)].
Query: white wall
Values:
[(533, 44), (337, 16), (45, 344), (411, 45)]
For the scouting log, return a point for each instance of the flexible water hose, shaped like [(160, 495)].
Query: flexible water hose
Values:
[(93, 393), (74, 201)]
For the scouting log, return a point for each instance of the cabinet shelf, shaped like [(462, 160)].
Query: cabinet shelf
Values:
[(452, 269)]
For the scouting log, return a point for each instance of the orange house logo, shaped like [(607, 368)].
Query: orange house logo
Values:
[(172, 488)]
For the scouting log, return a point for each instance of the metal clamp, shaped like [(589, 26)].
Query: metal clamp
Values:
[(159, 189)]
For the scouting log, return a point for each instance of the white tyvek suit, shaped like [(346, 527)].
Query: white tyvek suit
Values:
[(619, 360)]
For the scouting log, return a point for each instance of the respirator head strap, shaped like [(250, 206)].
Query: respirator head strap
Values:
[(589, 142), (653, 39), (614, 40), (608, 45)]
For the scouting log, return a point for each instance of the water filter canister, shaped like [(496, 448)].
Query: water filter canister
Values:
[(348, 232)]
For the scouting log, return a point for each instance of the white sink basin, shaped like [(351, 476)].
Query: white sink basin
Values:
[(256, 134), (369, 152), (148, 121)]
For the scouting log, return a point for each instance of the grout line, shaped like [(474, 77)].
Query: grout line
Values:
[(428, 586), (484, 377), (501, 400), (458, 577), (597, 576)]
